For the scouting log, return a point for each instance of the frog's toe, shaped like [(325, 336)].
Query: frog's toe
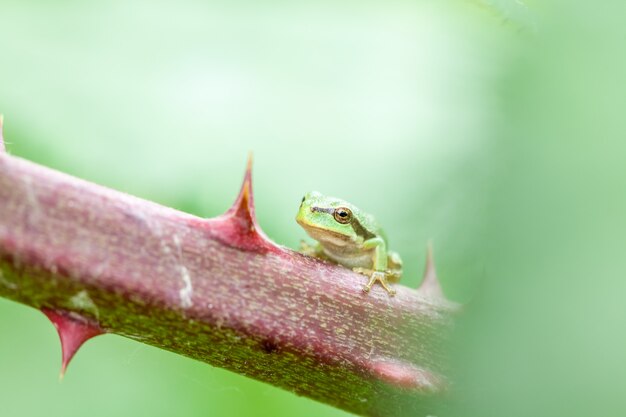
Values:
[(372, 280), (386, 286), (306, 249)]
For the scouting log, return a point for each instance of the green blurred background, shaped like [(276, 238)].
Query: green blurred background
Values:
[(496, 128)]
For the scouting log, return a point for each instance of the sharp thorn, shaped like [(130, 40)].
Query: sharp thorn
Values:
[(243, 207), (238, 226), (73, 332), (249, 163), (430, 286)]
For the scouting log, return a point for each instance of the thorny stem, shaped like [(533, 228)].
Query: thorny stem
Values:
[(217, 290)]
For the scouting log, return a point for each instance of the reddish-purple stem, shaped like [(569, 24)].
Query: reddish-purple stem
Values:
[(218, 290)]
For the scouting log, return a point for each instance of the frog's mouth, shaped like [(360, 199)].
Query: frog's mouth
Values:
[(325, 236)]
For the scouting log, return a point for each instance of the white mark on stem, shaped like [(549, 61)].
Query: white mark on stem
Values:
[(186, 291)]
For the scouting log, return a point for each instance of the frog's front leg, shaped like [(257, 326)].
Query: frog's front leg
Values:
[(379, 265)]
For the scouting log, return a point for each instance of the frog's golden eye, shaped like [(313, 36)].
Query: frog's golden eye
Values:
[(343, 215)]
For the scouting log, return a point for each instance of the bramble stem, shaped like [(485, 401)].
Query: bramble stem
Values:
[(219, 291)]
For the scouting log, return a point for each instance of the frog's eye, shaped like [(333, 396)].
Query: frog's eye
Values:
[(343, 215)]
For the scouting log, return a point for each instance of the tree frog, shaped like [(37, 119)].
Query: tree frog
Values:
[(349, 237)]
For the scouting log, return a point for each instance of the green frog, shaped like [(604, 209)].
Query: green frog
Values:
[(350, 237)]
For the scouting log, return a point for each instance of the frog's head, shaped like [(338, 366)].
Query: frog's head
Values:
[(328, 219)]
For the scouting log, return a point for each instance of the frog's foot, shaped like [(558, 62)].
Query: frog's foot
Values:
[(306, 249), (314, 250), (379, 276)]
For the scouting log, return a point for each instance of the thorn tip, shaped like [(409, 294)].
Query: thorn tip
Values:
[(430, 286), (73, 332), (249, 163), (244, 204), (238, 226)]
